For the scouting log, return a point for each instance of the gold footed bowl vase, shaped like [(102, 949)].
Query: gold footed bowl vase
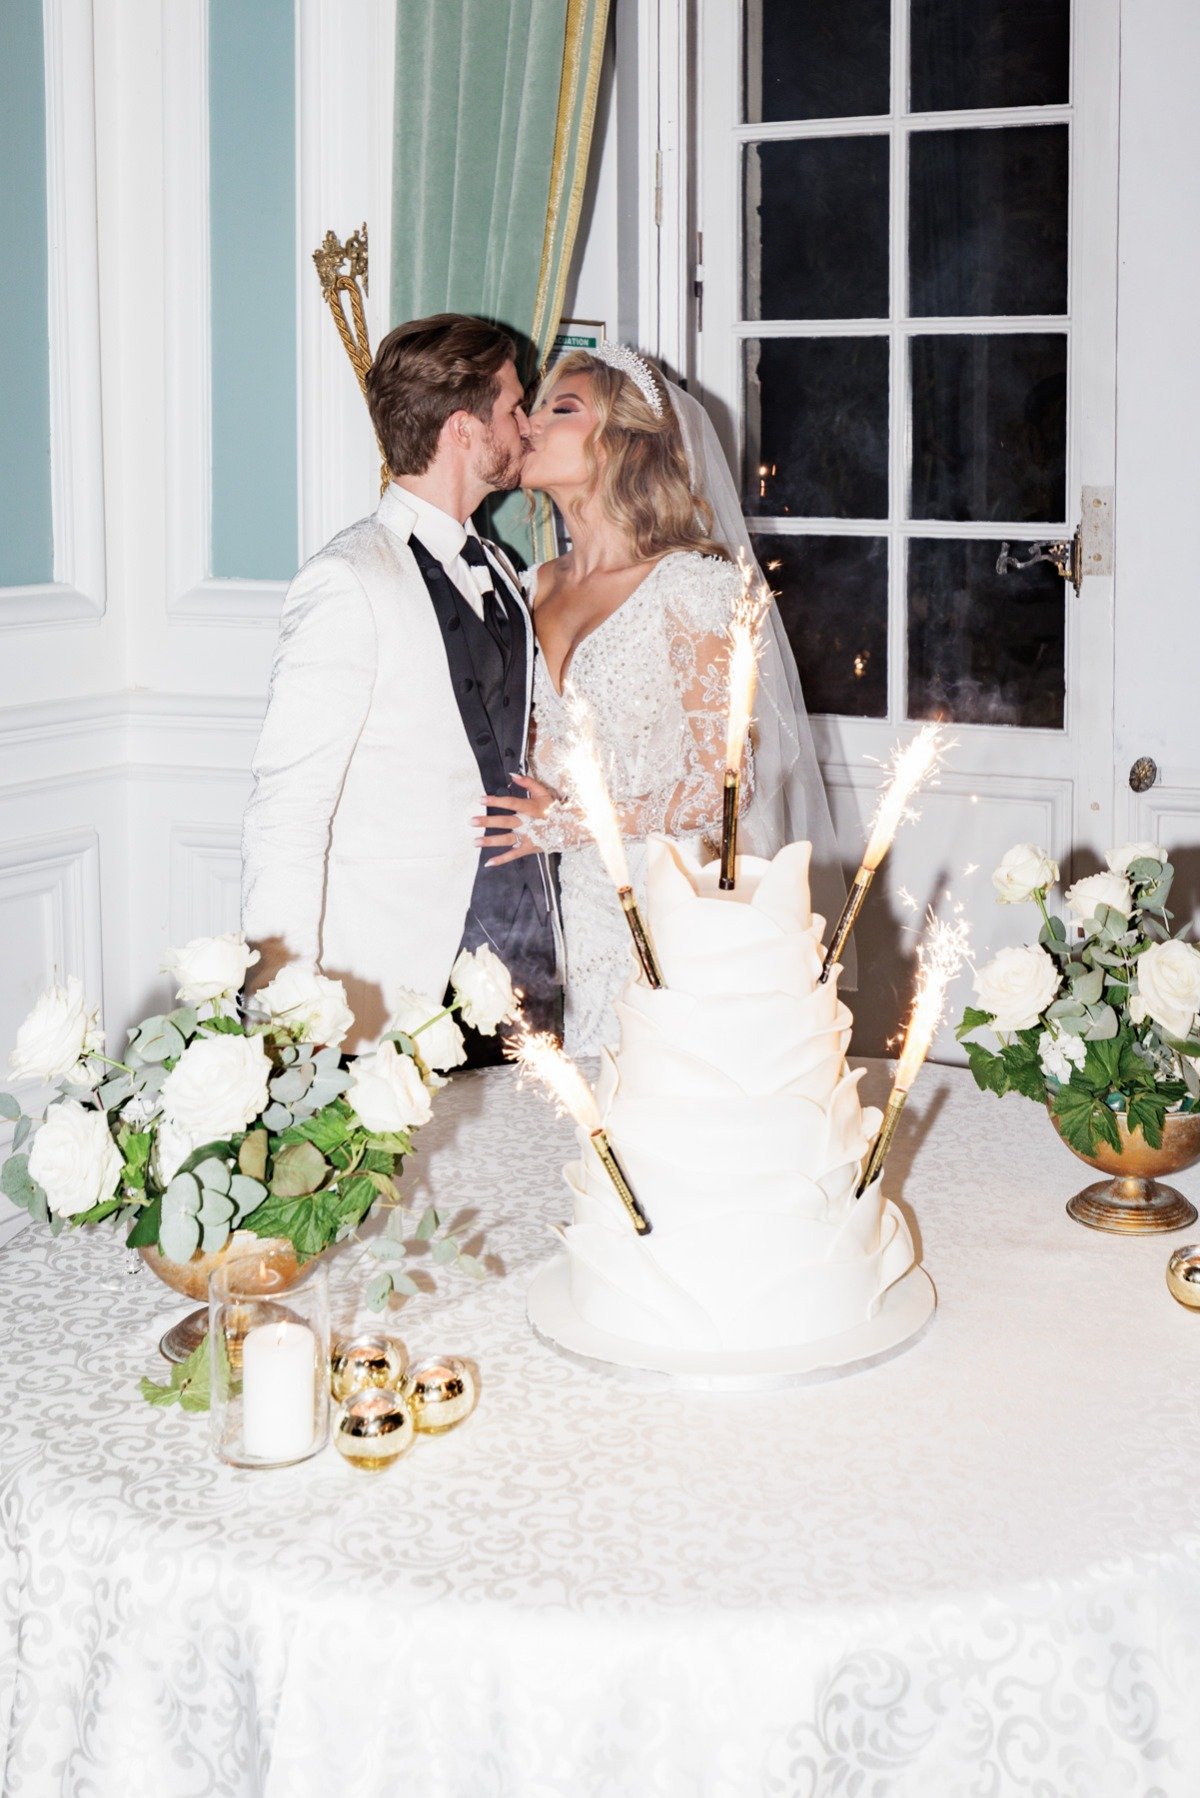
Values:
[(190, 1279), (1134, 1201)]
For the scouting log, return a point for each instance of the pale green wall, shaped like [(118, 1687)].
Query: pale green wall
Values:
[(26, 522), (252, 212)]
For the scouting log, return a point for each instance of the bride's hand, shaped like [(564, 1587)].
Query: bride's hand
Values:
[(504, 829)]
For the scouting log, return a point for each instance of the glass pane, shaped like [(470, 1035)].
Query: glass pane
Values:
[(968, 53), (806, 59), (801, 199), (987, 229), (983, 648), (832, 598), (989, 427), (817, 427)]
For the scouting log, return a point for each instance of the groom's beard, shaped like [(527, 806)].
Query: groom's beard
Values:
[(498, 467)]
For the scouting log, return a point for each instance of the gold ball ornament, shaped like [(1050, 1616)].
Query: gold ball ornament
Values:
[(1183, 1275), (359, 1363), (373, 1428), (440, 1392)]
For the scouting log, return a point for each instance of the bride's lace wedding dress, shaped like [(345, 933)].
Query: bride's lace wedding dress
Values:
[(652, 677)]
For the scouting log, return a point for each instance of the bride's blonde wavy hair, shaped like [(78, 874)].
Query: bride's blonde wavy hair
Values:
[(637, 463)]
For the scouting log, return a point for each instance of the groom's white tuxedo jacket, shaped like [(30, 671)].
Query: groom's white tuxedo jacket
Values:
[(358, 851)]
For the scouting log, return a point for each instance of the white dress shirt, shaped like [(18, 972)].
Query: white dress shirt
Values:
[(444, 537)]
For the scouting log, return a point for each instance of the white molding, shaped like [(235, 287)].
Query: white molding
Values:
[(77, 593), (665, 211), (205, 859), (131, 735), (192, 592), (64, 869)]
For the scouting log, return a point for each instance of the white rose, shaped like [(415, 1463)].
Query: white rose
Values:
[(1099, 889), (484, 989), (1059, 1054), (58, 1033), (1119, 859), (216, 1088), (1016, 986), (387, 1091), (172, 1146), (1168, 983), (300, 999), (210, 967), (1024, 871), (74, 1158), (440, 1045)]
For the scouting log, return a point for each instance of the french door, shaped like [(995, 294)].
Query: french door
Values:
[(904, 324)]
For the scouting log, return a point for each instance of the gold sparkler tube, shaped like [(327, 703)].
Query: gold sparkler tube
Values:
[(641, 940), (616, 1174), (877, 1153), (729, 823), (847, 921)]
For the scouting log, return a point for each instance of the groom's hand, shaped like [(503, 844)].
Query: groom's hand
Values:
[(505, 817)]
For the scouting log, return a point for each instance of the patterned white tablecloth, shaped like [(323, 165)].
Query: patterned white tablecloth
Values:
[(973, 1570)]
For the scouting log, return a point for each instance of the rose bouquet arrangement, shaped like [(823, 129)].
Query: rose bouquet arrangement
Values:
[(1099, 1017), (219, 1119)]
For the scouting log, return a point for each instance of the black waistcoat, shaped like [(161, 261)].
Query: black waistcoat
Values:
[(510, 906)]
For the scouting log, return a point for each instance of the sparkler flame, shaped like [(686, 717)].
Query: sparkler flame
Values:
[(539, 1054), (910, 765), (590, 793), (940, 956), (744, 628)]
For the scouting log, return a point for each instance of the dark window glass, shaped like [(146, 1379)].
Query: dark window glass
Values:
[(817, 427), (987, 221), (989, 427), (817, 229), (983, 648), (806, 59), (832, 598), (967, 53)]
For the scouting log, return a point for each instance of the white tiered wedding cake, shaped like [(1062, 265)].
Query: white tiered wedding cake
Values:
[(732, 1111)]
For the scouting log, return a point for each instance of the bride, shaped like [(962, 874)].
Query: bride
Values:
[(631, 632)]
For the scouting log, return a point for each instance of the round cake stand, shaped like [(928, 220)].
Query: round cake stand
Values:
[(903, 1316)]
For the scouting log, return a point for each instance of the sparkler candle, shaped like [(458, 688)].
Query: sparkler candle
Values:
[(744, 627), (539, 1055), (939, 959), (910, 765), (590, 793)]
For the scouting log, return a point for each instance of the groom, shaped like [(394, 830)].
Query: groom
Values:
[(400, 694)]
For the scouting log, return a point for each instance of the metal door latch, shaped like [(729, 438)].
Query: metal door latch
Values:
[(1066, 557)]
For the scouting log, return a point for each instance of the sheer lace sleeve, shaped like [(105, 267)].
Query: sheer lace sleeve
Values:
[(683, 796)]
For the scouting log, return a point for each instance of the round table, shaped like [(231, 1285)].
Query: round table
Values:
[(975, 1569)]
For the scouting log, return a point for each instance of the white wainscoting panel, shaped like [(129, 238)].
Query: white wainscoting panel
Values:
[(206, 874)]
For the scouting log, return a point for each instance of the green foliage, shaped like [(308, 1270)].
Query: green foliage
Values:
[(189, 1385), (10, 1108)]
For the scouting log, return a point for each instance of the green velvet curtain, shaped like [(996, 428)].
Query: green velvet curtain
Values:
[(494, 106)]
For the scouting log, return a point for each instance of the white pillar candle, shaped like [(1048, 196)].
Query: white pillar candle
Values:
[(279, 1365)]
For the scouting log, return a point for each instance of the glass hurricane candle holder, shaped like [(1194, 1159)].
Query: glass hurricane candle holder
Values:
[(268, 1345)]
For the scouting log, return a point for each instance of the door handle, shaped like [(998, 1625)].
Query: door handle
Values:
[(1066, 557), (1143, 774)]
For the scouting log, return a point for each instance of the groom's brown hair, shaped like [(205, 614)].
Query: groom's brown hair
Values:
[(424, 372)]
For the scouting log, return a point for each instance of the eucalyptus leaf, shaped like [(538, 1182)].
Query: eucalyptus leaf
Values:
[(404, 1283), (287, 1053), (213, 1173), (1102, 1024), (1191, 1079), (327, 1060), (216, 1208), (164, 1044), (178, 1235), (10, 1108), (115, 1092), (445, 1251), (21, 1132), (247, 1194), (293, 1083), (385, 1248), (151, 1083), (1087, 987), (396, 1225), (379, 1291), (299, 1169), (277, 1117), (185, 1019), (472, 1267), (252, 1156), (215, 1236), (19, 1185), (182, 1197)]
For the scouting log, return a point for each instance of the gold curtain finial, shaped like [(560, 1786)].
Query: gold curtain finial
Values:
[(341, 267)]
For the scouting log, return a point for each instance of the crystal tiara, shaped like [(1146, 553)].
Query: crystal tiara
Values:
[(618, 356)]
